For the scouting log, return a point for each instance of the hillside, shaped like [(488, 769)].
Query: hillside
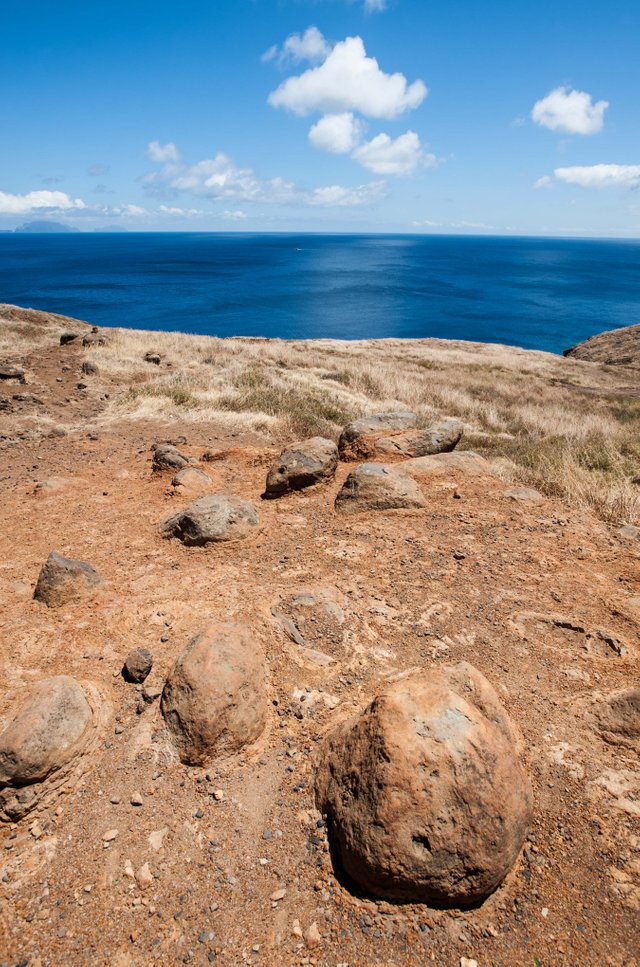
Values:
[(522, 560), (617, 347)]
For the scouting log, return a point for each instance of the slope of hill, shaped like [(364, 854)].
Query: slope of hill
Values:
[(617, 347)]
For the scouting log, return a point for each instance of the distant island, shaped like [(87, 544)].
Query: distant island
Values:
[(43, 225)]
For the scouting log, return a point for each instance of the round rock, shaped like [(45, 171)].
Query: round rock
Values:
[(424, 791), (214, 701), (213, 519), (62, 579), (358, 439), (137, 665), (192, 480), (441, 437), (373, 486), (168, 457), (46, 733), (302, 465)]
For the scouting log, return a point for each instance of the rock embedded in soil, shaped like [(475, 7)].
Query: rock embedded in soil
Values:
[(46, 733), (68, 337), (62, 580), (213, 519), (618, 718), (12, 372), (374, 486), (214, 701), (424, 791), (358, 439), (168, 457), (441, 437), (137, 665), (89, 368), (302, 465), (193, 480), (154, 358)]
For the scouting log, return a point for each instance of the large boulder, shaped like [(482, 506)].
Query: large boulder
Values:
[(168, 457), (302, 465), (358, 439), (441, 437), (372, 486), (62, 579), (213, 519), (45, 732), (424, 791), (214, 701)]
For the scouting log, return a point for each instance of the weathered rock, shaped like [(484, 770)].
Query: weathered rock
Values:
[(12, 372), (618, 717), (424, 791), (94, 339), (168, 457), (137, 665), (62, 580), (67, 337), (373, 486), (524, 495), (89, 368), (213, 519), (440, 438), (302, 465), (192, 480), (152, 357), (214, 701), (466, 461), (45, 733), (6, 405), (630, 532), (358, 439)]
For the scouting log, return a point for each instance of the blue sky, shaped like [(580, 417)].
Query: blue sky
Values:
[(323, 115)]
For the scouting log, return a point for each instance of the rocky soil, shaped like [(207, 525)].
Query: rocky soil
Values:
[(617, 347), (129, 853)]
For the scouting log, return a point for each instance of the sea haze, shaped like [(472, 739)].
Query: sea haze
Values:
[(537, 293)]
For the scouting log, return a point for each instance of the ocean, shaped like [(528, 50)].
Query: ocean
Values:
[(538, 293)]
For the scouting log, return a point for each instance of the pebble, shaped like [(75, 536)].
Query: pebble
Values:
[(109, 836), (278, 895), (114, 800), (136, 799), (312, 938), (218, 795), (144, 877)]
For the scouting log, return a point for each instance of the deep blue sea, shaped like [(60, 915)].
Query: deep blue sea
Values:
[(533, 292)]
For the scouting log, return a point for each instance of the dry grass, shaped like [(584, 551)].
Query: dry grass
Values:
[(562, 425)]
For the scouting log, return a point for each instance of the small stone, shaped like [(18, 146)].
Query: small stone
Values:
[(278, 895), (137, 665), (136, 799), (168, 457), (465, 962), (218, 795), (109, 836), (199, 814), (114, 800), (144, 877), (312, 936)]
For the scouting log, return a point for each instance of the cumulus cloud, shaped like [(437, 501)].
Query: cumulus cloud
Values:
[(309, 46), (348, 80), (571, 112), (163, 152), (600, 176), (221, 178), (336, 133), (237, 215), (179, 212), (38, 201), (393, 156)]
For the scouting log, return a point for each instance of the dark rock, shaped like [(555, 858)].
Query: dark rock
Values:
[(68, 337), (12, 372), (62, 580), (302, 465), (137, 665), (167, 457), (358, 439), (214, 701), (154, 358), (6, 405), (373, 486), (94, 340), (89, 368), (424, 791), (213, 519)]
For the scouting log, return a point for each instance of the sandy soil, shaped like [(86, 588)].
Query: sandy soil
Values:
[(545, 601)]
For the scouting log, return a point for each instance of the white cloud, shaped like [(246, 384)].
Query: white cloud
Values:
[(216, 177), (571, 112), (163, 152), (179, 212), (600, 176), (310, 46), (400, 156), (374, 5), (336, 133), (348, 80), (544, 182), (237, 215), (343, 197), (37, 201)]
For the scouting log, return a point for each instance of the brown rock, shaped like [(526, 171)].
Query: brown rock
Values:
[(214, 701), (302, 465), (424, 791), (373, 486), (45, 733), (68, 337), (168, 457), (439, 438), (62, 580), (358, 439), (137, 665), (192, 480), (213, 519), (618, 718)]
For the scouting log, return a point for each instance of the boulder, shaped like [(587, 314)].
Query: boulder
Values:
[(373, 486), (168, 457), (94, 339), (440, 438), (192, 480), (46, 733), (152, 357), (137, 665), (466, 461), (618, 718), (424, 791), (302, 465), (213, 519), (12, 372), (67, 337), (524, 495), (89, 368), (62, 579), (358, 439), (214, 701)]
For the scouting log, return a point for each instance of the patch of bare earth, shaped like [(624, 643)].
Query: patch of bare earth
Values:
[(542, 597)]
